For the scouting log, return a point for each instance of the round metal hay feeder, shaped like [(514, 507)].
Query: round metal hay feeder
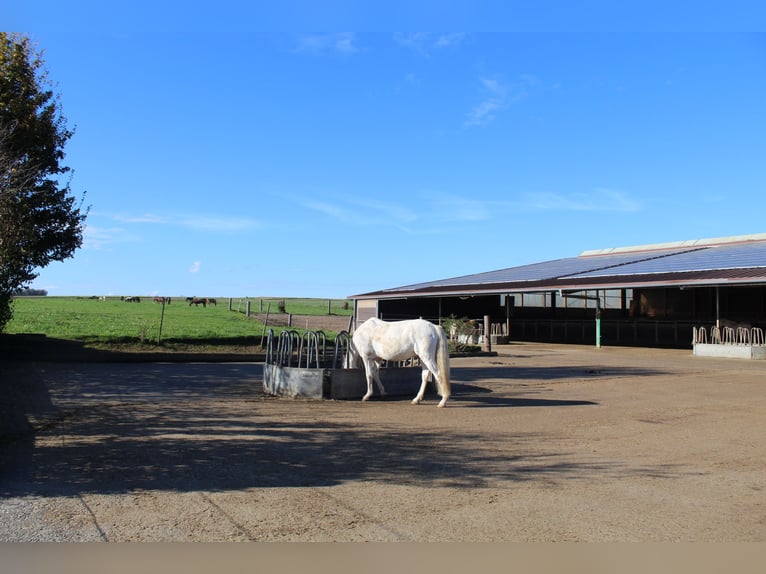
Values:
[(305, 366)]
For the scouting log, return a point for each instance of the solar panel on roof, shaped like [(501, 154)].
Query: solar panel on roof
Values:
[(722, 261), (569, 267), (738, 256)]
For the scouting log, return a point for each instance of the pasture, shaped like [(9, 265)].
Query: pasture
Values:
[(111, 321)]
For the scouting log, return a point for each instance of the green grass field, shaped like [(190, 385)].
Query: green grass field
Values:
[(115, 322)]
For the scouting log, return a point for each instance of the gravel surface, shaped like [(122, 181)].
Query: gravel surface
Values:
[(540, 443)]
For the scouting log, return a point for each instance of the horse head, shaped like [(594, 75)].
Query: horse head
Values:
[(351, 358)]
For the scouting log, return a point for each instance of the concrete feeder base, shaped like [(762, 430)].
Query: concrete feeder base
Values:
[(338, 384), (730, 351)]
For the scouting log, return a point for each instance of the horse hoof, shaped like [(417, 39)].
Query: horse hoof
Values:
[(441, 404), (415, 402)]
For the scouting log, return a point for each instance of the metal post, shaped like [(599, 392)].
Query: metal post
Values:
[(598, 323)]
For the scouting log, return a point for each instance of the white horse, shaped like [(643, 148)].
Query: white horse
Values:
[(376, 341)]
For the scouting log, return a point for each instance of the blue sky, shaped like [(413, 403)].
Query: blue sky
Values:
[(224, 153)]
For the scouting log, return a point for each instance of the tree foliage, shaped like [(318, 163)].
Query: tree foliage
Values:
[(40, 219)]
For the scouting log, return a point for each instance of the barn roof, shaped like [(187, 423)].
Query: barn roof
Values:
[(719, 261)]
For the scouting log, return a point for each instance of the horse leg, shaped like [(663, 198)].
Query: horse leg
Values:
[(425, 375), (369, 368), (376, 373), (430, 365), (372, 372)]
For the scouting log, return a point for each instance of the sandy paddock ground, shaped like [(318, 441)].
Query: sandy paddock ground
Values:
[(540, 443)]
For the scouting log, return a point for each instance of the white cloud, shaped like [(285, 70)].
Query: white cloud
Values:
[(195, 222), (455, 209), (205, 223), (101, 238), (484, 112), (391, 212), (195, 267), (344, 43), (425, 43), (598, 200), (417, 41), (495, 99), (494, 87), (498, 96), (145, 218), (451, 39), (355, 211), (360, 212)]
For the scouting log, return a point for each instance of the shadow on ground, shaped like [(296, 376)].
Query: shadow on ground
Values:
[(49, 349), (558, 372), (115, 428)]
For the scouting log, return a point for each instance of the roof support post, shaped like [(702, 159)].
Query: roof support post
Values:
[(598, 321), (717, 307)]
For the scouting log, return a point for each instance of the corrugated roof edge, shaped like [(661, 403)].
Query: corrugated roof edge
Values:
[(675, 244)]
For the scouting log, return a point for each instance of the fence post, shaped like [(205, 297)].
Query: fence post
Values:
[(247, 313), (162, 318), (487, 335), (265, 323)]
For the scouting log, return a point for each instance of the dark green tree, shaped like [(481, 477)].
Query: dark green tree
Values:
[(40, 219)]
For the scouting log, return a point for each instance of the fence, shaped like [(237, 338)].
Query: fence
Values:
[(273, 313)]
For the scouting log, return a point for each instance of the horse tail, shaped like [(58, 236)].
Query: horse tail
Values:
[(442, 363)]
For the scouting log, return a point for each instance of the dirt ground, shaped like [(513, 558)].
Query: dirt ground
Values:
[(540, 443)]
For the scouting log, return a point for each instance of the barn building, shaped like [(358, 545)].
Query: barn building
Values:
[(647, 295)]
